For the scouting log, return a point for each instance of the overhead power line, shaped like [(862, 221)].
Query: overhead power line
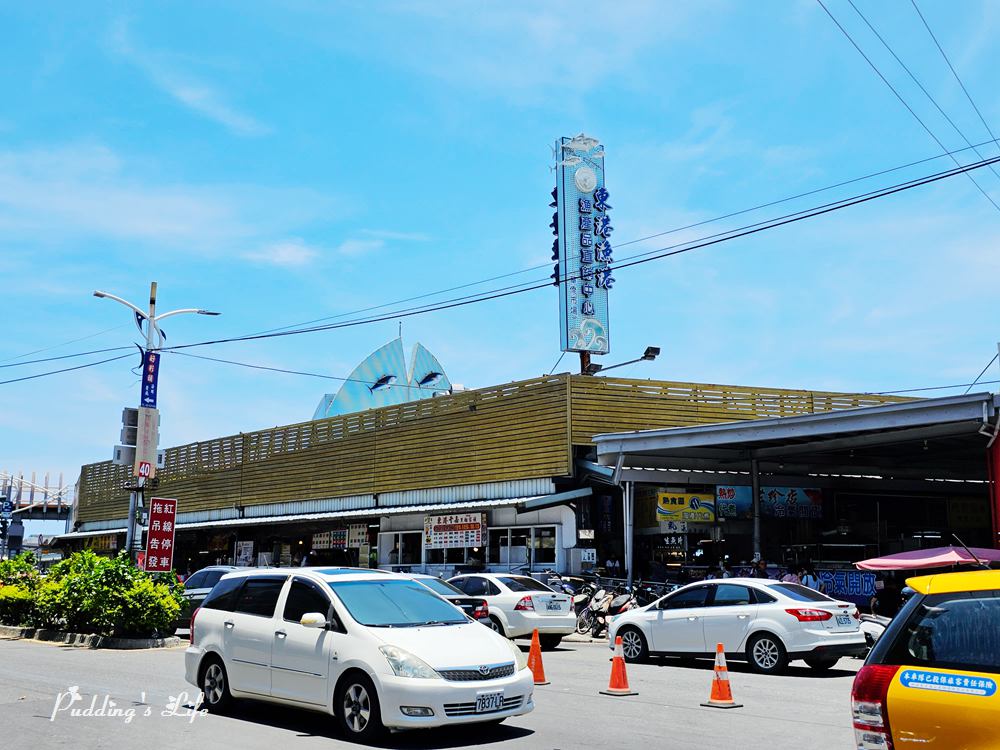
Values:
[(983, 371), (921, 86), (65, 369), (902, 100), (953, 71)]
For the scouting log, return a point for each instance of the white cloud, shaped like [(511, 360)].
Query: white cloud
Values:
[(359, 247), (289, 253), (183, 87), (372, 240)]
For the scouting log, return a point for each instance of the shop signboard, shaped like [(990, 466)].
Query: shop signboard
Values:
[(160, 535), (685, 506), (244, 554), (338, 539), (455, 531), (775, 502), (582, 245), (357, 535), (321, 540)]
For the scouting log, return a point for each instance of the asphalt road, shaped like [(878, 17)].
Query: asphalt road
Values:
[(800, 709)]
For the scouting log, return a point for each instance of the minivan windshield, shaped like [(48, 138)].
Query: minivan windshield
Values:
[(395, 604)]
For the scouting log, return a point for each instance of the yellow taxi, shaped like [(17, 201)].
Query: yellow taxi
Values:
[(931, 681)]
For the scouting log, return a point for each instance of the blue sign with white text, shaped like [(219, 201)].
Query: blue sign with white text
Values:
[(150, 374), (942, 682), (582, 246)]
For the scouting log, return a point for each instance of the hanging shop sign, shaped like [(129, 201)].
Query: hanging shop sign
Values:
[(105, 542), (455, 531), (160, 535), (775, 502), (582, 245), (685, 506)]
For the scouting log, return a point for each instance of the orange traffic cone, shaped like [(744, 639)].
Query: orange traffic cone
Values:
[(722, 695), (535, 659), (618, 685)]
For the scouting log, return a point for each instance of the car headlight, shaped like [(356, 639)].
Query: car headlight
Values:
[(519, 658), (405, 664)]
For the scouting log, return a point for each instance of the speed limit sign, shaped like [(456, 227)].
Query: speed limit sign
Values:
[(144, 468)]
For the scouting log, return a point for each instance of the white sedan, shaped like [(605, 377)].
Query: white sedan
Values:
[(765, 622), (520, 604)]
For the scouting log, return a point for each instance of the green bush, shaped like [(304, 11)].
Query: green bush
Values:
[(20, 571), (89, 594), (17, 605)]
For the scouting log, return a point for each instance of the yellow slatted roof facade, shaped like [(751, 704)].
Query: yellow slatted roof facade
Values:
[(522, 430)]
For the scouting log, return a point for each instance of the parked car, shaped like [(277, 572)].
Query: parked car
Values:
[(519, 605), (374, 649), (930, 680), (473, 606), (196, 588), (767, 623)]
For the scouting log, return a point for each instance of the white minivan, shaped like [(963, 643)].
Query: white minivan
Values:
[(374, 649)]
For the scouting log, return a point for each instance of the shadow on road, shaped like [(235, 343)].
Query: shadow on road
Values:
[(740, 667), (312, 724)]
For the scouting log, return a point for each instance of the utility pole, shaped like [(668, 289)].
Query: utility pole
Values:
[(144, 465)]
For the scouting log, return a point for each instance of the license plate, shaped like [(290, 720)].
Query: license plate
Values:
[(489, 702), (553, 606), (843, 620)]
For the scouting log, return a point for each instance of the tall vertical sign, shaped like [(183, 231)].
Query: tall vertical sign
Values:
[(582, 227), (160, 537)]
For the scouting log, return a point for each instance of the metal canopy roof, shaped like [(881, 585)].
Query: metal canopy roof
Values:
[(941, 438)]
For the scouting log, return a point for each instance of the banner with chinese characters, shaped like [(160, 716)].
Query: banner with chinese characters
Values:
[(455, 531), (775, 502), (160, 535), (685, 506), (150, 375), (582, 245)]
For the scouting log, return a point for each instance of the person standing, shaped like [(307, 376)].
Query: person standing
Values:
[(810, 579)]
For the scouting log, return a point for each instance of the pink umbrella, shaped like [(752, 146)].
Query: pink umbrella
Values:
[(936, 557)]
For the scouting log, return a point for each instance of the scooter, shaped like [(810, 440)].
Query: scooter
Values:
[(585, 618), (613, 604), (873, 626)]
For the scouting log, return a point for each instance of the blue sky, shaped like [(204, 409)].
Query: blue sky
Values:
[(282, 162)]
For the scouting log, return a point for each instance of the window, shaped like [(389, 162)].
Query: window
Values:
[(259, 596), (442, 588), (400, 548), (197, 580), (395, 604), (212, 577), (688, 598), (951, 631), (223, 594), (474, 586), (800, 593), (544, 544), (762, 597), (521, 546), (303, 597), (731, 595), (454, 556), (522, 583)]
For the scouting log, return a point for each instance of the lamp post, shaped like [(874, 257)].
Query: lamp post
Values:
[(145, 463), (651, 353)]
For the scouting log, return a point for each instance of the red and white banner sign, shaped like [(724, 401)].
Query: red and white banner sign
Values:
[(160, 535)]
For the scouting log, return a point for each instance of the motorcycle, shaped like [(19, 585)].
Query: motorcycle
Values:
[(613, 604), (585, 618), (873, 626)]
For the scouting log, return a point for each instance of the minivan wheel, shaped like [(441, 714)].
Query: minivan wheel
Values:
[(357, 709), (634, 647), (215, 687), (767, 654)]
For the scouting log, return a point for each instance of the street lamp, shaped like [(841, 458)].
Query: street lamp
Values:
[(144, 466), (651, 353)]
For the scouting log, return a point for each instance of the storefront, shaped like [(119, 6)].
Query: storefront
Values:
[(831, 489)]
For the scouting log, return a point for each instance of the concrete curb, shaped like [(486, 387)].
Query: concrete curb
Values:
[(82, 640), (578, 638)]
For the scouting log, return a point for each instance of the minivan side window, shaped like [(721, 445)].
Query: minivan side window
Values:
[(303, 598), (223, 595), (951, 631), (259, 596)]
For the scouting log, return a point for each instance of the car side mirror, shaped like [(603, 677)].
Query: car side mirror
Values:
[(313, 620)]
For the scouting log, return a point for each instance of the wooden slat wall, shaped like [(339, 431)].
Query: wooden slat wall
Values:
[(522, 430), (616, 405), (515, 431)]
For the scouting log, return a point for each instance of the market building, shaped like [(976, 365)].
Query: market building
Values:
[(501, 478)]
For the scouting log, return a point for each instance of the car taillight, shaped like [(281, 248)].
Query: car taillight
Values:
[(868, 706), (809, 615), (481, 612), (856, 614), (194, 615), (525, 604)]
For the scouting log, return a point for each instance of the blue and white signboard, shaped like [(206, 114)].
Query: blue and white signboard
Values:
[(150, 375), (582, 226)]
